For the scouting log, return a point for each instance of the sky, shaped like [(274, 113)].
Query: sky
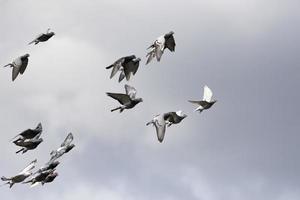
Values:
[(244, 147)]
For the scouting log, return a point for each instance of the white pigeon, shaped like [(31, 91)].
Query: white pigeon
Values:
[(65, 147), (20, 177), (19, 65), (207, 101)]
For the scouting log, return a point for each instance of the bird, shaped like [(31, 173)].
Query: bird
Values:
[(159, 45), (43, 37), (127, 100), (48, 166), (28, 144), (20, 177), (39, 178), (29, 133), (166, 119), (19, 65), (126, 65), (65, 147), (207, 101)]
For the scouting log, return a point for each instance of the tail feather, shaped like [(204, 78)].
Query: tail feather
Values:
[(110, 66), (3, 178), (116, 109), (21, 150)]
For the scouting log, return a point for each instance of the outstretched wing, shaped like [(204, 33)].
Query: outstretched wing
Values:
[(160, 126), (121, 98), (130, 67), (23, 65), (15, 72), (195, 102), (130, 91), (68, 140), (207, 95), (29, 167), (170, 43), (116, 66)]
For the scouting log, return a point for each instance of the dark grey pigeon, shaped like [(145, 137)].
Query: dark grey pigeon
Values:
[(43, 37), (28, 144), (161, 121), (127, 100), (29, 133), (207, 101), (126, 65), (19, 65), (20, 177), (163, 42), (65, 147)]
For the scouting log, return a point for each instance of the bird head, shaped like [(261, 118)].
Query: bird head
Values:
[(138, 59), (139, 100), (26, 55)]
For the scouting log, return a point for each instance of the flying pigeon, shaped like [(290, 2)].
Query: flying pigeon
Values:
[(127, 100), (167, 119), (65, 147), (39, 178), (159, 45), (25, 173), (28, 144), (43, 37), (19, 65), (207, 101), (126, 65), (29, 133)]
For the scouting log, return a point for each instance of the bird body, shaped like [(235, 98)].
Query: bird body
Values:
[(127, 100)]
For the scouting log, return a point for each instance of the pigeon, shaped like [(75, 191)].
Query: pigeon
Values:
[(19, 65), (127, 100), (65, 147), (29, 133), (159, 45), (25, 173), (167, 119), (39, 178), (207, 101), (43, 37), (51, 165), (28, 144), (126, 65)]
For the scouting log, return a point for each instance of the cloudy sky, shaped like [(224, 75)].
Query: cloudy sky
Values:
[(244, 147)]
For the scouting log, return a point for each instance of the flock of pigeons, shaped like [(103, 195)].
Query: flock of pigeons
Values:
[(126, 66), (30, 139)]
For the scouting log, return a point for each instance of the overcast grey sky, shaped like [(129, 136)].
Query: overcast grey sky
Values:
[(244, 147)]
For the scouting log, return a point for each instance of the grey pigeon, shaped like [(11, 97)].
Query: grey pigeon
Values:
[(127, 100), (28, 144), (29, 133), (159, 45), (39, 178), (65, 147), (20, 177), (43, 37), (126, 65), (167, 119), (19, 65), (207, 101)]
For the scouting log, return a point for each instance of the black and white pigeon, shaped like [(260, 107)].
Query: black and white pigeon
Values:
[(65, 147), (159, 45), (126, 65), (127, 100), (167, 119), (20, 177), (29, 133), (28, 144), (43, 37), (207, 101), (18, 65), (39, 177)]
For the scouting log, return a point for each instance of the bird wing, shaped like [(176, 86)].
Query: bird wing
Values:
[(36, 38), (122, 76), (29, 167), (68, 140), (15, 72), (130, 67), (121, 98), (23, 65), (207, 95), (116, 66), (130, 91), (170, 43), (160, 126), (195, 102), (159, 47), (150, 55)]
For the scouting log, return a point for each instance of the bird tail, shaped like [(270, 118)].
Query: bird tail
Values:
[(3, 178), (110, 66), (23, 149), (118, 108), (151, 122), (31, 42), (8, 65)]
